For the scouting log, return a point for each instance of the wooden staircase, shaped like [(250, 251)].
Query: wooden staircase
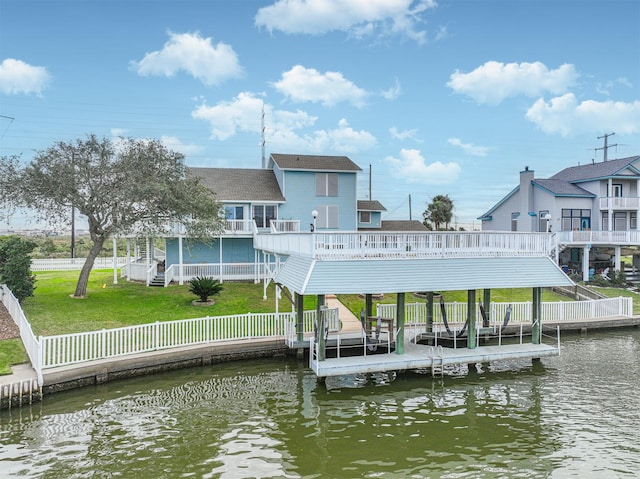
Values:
[(158, 280)]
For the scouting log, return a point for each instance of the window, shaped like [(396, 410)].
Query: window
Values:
[(619, 221), (576, 219), (514, 221), (365, 217), (263, 214), (544, 223), (617, 190), (234, 212), (326, 184), (328, 217)]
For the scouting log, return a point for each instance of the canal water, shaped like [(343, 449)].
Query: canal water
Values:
[(572, 416)]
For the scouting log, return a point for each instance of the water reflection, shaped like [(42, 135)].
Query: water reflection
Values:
[(572, 416)]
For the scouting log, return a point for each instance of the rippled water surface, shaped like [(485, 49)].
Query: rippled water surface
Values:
[(576, 415)]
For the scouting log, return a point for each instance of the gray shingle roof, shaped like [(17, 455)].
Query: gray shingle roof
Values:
[(601, 169), (370, 205), (397, 225), (563, 188), (314, 162), (240, 184)]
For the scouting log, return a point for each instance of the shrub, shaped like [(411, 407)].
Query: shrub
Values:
[(203, 287), (15, 266)]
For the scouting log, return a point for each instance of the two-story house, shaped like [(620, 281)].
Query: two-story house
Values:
[(592, 206), (291, 194)]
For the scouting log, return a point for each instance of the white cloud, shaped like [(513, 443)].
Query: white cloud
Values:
[(402, 135), (394, 92), (413, 168), (358, 17), (469, 148), (18, 77), (243, 113), (309, 85), (493, 82), (174, 144), (189, 52), (565, 116), (285, 130)]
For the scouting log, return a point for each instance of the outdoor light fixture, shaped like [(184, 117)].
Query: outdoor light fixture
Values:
[(314, 213)]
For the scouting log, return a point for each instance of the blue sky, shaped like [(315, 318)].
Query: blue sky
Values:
[(439, 97)]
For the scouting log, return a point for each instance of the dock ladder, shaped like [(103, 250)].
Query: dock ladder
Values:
[(437, 361)]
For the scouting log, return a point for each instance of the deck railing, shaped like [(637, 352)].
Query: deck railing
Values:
[(70, 264), (338, 245), (626, 237)]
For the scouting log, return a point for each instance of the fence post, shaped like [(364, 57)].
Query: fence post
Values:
[(40, 360), (156, 330)]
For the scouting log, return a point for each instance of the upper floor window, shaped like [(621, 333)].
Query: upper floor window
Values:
[(234, 212), (514, 221), (576, 219), (616, 190), (328, 217), (365, 216), (326, 184), (263, 214)]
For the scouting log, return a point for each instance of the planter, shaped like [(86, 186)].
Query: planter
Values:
[(197, 302)]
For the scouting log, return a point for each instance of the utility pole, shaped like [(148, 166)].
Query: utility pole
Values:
[(606, 145), (410, 218), (263, 141)]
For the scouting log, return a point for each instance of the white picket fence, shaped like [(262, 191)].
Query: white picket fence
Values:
[(521, 312), (71, 264), (61, 350)]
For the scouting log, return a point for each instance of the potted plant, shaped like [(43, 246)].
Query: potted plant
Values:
[(204, 287)]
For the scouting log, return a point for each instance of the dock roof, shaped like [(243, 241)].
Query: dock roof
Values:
[(306, 275)]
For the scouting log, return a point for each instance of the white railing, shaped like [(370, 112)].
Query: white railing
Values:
[(285, 226), (521, 312), (221, 272), (619, 203), (71, 264), (31, 343), (332, 320), (627, 237), (150, 273), (336, 245), (238, 226)]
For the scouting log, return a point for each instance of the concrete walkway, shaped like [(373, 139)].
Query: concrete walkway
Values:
[(350, 323), (20, 373)]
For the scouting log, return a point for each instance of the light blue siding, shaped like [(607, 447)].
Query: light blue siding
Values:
[(235, 250), (302, 200), (376, 220)]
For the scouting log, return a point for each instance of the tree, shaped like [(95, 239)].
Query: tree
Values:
[(124, 187), (15, 266), (204, 286), (438, 212)]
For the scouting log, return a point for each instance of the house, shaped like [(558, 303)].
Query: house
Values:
[(291, 194), (592, 206)]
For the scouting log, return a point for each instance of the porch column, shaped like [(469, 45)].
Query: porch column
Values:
[(115, 261), (585, 263), (471, 316), (610, 204), (300, 318), (180, 265), (486, 302), (128, 259), (429, 320), (536, 325), (400, 324), (148, 259), (321, 325), (220, 262), (617, 264)]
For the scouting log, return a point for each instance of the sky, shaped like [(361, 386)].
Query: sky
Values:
[(428, 97)]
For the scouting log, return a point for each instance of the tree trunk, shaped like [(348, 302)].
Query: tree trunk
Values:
[(81, 287)]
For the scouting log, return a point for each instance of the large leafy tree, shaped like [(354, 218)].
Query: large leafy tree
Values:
[(438, 213), (127, 186)]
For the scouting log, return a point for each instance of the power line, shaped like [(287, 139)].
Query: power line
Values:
[(10, 118)]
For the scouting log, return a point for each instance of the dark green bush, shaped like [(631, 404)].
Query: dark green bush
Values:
[(15, 266), (203, 287)]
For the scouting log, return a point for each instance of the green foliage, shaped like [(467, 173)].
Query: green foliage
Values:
[(15, 266), (615, 278), (11, 352), (438, 214), (203, 287), (134, 186)]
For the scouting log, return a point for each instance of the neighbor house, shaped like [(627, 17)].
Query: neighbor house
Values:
[(595, 205)]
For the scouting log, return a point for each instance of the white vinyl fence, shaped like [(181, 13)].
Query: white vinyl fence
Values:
[(520, 312), (71, 264)]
